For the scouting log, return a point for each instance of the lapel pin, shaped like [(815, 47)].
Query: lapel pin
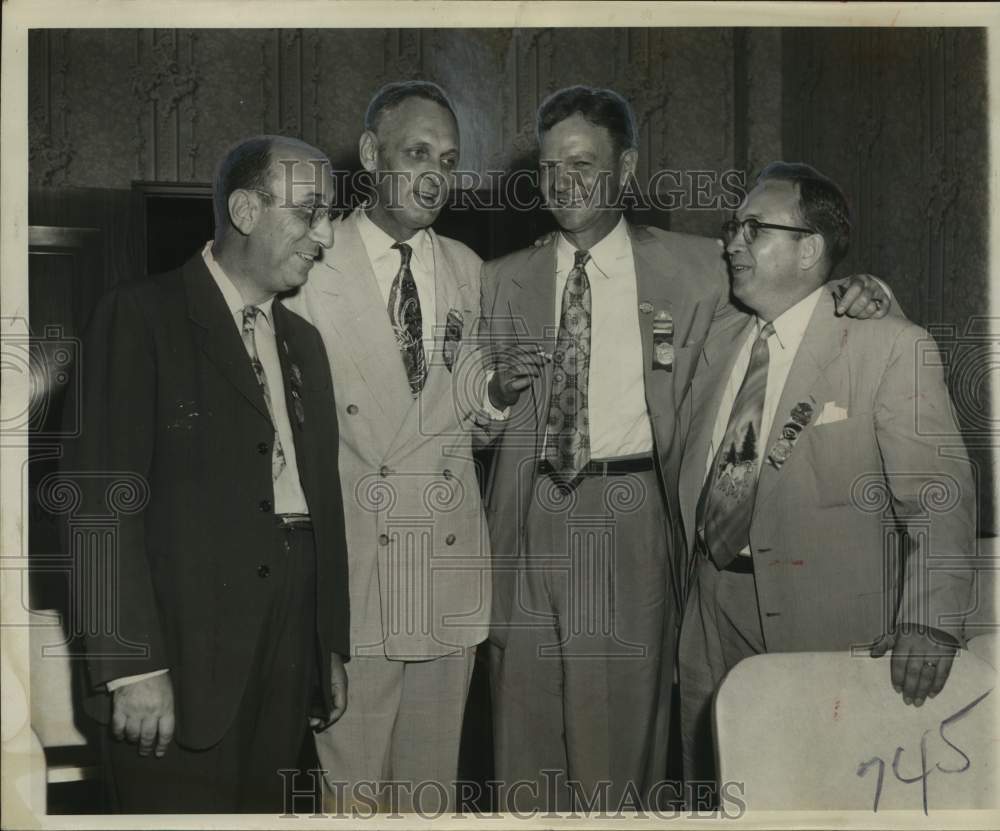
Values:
[(645, 307)]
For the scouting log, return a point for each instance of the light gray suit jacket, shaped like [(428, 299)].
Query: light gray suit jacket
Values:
[(417, 543), (824, 534)]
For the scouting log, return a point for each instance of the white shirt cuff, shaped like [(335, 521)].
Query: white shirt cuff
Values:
[(491, 411), (125, 680)]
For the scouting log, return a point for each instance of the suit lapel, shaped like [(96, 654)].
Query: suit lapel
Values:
[(705, 396), (291, 378), (448, 282), (657, 288), (353, 306), (807, 383), (218, 336), (531, 307)]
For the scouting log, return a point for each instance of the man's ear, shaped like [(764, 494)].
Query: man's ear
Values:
[(243, 211), (629, 161), (812, 250), (368, 150)]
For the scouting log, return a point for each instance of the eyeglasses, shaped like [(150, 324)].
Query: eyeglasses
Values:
[(316, 212), (752, 227)]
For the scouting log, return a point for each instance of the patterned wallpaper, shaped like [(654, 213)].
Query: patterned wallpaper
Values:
[(112, 106)]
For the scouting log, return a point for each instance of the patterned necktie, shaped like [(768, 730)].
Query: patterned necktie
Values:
[(250, 341), (727, 501), (567, 434), (407, 324)]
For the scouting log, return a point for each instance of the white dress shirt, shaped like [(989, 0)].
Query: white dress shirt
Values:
[(789, 328), (619, 419), (386, 260)]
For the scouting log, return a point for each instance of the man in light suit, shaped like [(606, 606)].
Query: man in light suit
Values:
[(810, 441), (595, 337), (209, 431), (393, 303)]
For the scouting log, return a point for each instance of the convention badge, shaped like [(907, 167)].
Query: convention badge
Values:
[(780, 452), (452, 337), (802, 412), (663, 340)]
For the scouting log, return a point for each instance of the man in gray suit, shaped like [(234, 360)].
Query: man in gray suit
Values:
[(595, 336), (393, 302), (810, 441)]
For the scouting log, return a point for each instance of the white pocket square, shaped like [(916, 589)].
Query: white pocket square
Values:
[(830, 414)]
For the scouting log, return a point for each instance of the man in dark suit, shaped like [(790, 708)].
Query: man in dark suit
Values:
[(595, 336), (215, 402)]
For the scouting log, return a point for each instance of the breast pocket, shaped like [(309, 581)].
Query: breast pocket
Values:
[(841, 454)]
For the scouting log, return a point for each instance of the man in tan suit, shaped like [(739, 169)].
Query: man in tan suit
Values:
[(393, 303), (810, 441)]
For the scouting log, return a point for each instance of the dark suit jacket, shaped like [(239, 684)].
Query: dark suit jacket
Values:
[(170, 405), (679, 273)]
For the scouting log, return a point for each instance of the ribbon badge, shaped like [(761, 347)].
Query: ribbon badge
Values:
[(663, 340), (295, 384), (799, 417)]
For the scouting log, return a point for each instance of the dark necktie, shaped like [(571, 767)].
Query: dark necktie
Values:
[(727, 500), (250, 341), (407, 324), (567, 433)]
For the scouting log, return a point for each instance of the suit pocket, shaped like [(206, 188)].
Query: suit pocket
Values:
[(841, 454)]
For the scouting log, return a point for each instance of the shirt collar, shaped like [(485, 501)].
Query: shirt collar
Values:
[(604, 256), (379, 244), (230, 293), (790, 326)]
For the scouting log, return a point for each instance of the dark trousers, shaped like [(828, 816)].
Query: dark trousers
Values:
[(240, 773)]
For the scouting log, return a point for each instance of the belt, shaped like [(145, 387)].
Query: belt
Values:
[(738, 565), (611, 467), (294, 522)]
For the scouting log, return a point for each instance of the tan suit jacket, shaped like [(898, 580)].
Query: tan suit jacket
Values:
[(417, 543), (679, 273), (824, 535)]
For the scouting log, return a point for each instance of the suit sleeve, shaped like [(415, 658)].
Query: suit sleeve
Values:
[(476, 365), (930, 480), (109, 466)]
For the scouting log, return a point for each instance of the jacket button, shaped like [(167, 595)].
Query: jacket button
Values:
[(384, 471), (352, 409), (449, 540), (383, 539), (262, 448), (264, 506), (447, 473), (263, 571)]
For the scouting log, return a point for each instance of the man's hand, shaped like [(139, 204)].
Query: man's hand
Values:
[(516, 368), (921, 661), (338, 689), (143, 712), (861, 296)]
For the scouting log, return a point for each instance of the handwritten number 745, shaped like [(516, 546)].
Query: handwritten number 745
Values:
[(925, 772)]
